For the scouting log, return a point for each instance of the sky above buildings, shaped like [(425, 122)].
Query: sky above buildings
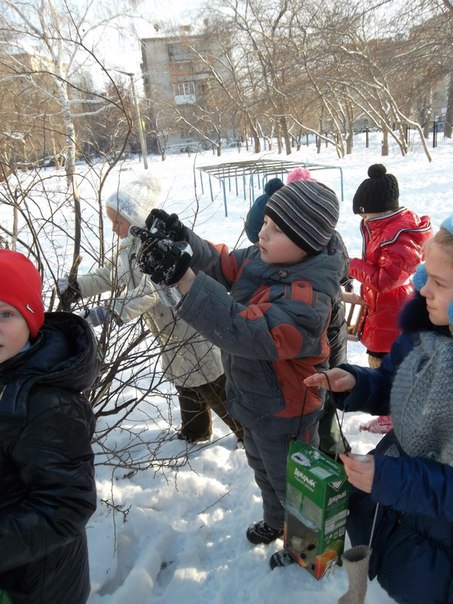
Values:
[(121, 51)]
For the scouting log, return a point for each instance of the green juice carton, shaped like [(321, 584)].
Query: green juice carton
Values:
[(316, 508)]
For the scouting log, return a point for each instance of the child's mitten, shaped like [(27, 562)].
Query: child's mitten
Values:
[(168, 224), (164, 260)]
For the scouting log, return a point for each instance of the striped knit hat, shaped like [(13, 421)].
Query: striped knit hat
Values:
[(307, 212)]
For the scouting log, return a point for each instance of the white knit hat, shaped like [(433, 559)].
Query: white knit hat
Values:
[(135, 199)]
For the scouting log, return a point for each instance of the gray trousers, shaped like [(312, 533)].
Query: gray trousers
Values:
[(266, 446)]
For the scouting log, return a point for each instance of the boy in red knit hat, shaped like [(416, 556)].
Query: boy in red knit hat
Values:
[(47, 488)]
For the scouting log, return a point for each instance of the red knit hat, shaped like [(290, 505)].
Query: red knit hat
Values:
[(21, 286)]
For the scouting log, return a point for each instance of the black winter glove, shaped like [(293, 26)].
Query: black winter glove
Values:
[(164, 260), (168, 224)]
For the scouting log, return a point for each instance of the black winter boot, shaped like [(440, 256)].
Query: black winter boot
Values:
[(261, 532), (281, 558)]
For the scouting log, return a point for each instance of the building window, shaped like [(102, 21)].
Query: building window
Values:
[(178, 52), (184, 88)]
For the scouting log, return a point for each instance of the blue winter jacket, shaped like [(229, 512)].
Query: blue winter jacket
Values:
[(412, 547), (269, 322)]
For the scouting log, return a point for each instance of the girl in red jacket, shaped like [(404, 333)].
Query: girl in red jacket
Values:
[(392, 241)]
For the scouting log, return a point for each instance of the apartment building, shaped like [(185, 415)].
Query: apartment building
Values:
[(180, 88)]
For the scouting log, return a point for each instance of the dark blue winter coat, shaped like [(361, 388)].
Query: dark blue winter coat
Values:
[(47, 487), (255, 216), (412, 546)]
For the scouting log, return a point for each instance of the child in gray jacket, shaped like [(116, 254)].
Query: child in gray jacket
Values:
[(269, 309)]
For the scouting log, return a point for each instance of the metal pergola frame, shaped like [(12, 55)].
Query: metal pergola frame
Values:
[(254, 173)]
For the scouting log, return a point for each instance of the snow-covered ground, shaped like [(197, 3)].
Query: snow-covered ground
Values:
[(183, 538)]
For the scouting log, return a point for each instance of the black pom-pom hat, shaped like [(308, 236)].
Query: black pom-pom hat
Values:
[(378, 193)]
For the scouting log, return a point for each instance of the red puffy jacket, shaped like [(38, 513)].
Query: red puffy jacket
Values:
[(391, 251)]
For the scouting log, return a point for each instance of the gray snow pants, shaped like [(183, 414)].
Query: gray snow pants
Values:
[(266, 446)]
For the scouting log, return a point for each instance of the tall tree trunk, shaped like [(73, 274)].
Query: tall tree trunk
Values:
[(449, 114), (285, 133), (255, 136), (385, 141), (278, 133)]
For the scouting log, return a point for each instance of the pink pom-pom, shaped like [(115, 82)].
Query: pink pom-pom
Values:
[(298, 174)]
